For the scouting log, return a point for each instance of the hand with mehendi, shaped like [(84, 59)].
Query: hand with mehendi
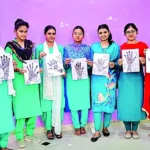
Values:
[(100, 63), (5, 66), (79, 70), (130, 59), (33, 73)]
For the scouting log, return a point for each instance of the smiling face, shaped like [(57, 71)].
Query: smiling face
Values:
[(21, 33), (103, 34), (78, 36), (131, 34), (50, 35)]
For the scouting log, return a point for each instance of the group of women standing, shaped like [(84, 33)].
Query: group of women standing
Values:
[(47, 99)]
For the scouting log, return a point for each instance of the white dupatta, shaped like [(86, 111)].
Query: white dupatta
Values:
[(52, 89), (11, 90)]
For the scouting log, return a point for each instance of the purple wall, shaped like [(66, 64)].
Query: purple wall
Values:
[(65, 14)]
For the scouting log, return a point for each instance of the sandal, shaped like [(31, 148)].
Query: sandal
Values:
[(50, 134), (106, 132), (82, 129), (77, 132), (58, 136)]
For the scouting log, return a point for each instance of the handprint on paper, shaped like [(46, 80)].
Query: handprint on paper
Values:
[(130, 59), (53, 65), (101, 65), (33, 73), (79, 70), (5, 66)]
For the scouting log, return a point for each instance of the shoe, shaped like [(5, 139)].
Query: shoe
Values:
[(21, 143), (106, 133), (94, 139), (128, 135), (32, 139), (135, 135), (58, 136)]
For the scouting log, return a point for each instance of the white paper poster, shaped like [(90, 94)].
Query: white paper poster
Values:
[(6, 67), (79, 69), (101, 64), (54, 65), (148, 61), (131, 60), (32, 75)]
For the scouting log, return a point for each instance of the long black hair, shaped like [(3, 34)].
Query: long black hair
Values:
[(19, 22), (130, 25), (105, 26), (48, 28), (79, 27)]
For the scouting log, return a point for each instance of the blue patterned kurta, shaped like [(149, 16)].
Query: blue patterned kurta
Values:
[(78, 91), (104, 87)]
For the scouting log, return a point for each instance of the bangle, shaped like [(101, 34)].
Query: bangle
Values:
[(16, 69)]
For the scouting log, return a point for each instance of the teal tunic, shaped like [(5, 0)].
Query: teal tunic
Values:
[(78, 91), (104, 87), (26, 103), (130, 89), (46, 105), (6, 119)]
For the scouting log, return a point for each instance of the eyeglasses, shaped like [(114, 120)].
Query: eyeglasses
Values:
[(130, 32), (51, 33)]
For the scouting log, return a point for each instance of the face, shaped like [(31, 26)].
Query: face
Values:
[(21, 33), (131, 34), (103, 34), (50, 35), (78, 35)]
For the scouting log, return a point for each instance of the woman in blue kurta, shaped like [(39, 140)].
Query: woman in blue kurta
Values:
[(131, 85), (104, 87), (78, 91)]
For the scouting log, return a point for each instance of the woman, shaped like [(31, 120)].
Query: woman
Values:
[(104, 87), (78, 91), (130, 85), (27, 96), (6, 125), (50, 103)]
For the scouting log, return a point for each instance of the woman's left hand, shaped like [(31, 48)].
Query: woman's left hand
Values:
[(41, 70), (142, 60), (90, 63), (14, 64), (64, 75), (111, 64)]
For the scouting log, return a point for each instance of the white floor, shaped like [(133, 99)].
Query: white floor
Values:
[(115, 141)]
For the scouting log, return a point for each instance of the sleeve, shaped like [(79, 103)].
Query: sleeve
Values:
[(8, 50), (38, 50), (91, 53)]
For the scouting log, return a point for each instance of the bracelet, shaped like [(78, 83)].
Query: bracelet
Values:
[(16, 69)]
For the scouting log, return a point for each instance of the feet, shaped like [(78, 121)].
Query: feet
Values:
[(58, 136), (50, 135), (32, 139), (21, 143), (96, 136), (82, 130), (128, 135), (106, 132), (135, 135), (77, 132)]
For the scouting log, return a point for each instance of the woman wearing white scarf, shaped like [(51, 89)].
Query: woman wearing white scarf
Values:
[(51, 88), (6, 120)]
